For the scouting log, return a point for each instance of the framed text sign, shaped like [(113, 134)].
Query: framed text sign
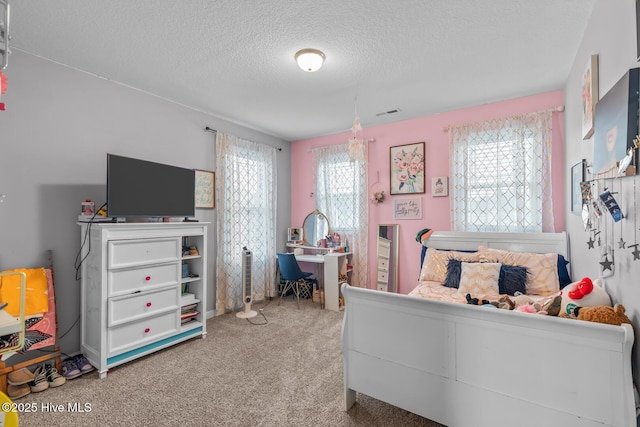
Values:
[(205, 189), (407, 208)]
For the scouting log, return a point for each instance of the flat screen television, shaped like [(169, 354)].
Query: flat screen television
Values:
[(140, 188)]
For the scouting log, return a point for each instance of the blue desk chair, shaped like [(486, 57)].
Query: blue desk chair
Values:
[(295, 279)]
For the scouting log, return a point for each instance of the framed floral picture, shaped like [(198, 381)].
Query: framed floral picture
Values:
[(407, 168)]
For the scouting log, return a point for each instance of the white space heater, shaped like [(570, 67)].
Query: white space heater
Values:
[(247, 290)]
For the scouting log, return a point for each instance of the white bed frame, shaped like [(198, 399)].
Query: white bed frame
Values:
[(464, 365)]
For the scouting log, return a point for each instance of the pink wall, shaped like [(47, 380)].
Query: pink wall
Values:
[(435, 209)]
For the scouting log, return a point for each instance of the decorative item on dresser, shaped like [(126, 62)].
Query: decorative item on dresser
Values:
[(135, 299)]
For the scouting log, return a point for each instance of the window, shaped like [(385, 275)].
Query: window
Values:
[(246, 186), (341, 194), (501, 175)]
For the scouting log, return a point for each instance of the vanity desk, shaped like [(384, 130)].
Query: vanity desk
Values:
[(329, 266)]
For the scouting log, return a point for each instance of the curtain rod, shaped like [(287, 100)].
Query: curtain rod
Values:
[(208, 129), (309, 150), (552, 109)]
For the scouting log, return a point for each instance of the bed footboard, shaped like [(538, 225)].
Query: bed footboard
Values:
[(463, 365)]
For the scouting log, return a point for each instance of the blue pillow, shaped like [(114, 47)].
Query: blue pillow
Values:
[(512, 278), (454, 268), (563, 273)]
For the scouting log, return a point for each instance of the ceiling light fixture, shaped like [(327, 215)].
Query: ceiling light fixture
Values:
[(309, 60)]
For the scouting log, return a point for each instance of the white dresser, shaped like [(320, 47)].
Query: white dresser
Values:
[(141, 290)]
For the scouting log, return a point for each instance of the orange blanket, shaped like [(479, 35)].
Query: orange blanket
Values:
[(37, 294)]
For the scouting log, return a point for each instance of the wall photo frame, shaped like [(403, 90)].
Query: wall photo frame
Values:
[(410, 208), (205, 189), (616, 127), (589, 96), (577, 177), (440, 186), (294, 234), (407, 169)]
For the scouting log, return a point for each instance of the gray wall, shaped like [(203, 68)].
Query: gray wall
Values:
[(54, 136), (611, 33)]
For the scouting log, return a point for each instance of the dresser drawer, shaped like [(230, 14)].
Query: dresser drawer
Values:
[(129, 253), (129, 280), (383, 276), (383, 264), (128, 308), (136, 334)]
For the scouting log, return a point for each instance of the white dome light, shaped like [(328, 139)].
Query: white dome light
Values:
[(309, 60)]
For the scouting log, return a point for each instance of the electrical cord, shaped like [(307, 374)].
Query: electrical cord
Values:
[(261, 312), (87, 232)]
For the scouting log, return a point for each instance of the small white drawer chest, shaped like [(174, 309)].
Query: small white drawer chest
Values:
[(143, 289)]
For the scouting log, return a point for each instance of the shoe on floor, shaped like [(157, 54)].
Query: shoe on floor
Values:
[(21, 376), (53, 377), (83, 364), (40, 382), (18, 391), (69, 369)]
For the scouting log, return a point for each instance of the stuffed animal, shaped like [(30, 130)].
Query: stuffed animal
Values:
[(528, 304), (603, 314), (476, 301), (552, 305), (585, 293), (506, 303)]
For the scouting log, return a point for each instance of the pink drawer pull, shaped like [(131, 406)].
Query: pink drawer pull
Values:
[(148, 304), (147, 330), (147, 278)]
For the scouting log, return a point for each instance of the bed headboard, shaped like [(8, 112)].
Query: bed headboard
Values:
[(520, 242)]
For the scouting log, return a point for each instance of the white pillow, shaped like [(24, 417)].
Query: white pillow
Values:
[(480, 278), (436, 261), (543, 268)]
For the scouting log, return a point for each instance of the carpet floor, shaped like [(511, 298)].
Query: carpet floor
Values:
[(283, 368)]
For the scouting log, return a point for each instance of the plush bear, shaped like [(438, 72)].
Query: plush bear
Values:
[(603, 314), (585, 293)]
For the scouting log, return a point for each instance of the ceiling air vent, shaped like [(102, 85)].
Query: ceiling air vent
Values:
[(384, 113)]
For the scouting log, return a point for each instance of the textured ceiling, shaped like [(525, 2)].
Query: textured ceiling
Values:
[(234, 58)]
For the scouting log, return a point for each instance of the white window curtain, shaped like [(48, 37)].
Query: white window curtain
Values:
[(246, 204), (501, 175), (341, 194)]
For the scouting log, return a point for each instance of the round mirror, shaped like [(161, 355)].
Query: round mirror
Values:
[(316, 227)]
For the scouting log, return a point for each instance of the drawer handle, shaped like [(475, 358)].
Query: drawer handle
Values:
[(148, 304), (147, 278), (147, 330)]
